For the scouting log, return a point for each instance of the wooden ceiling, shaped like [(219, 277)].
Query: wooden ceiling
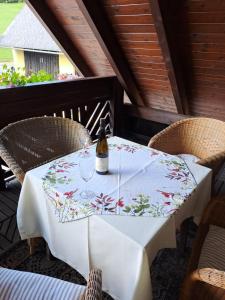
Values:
[(135, 29), (169, 55)]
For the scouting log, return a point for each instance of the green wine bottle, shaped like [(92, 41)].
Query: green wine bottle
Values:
[(102, 153)]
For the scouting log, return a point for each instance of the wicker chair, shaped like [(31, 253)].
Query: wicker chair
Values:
[(21, 285), (205, 283), (29, 143), (202, 137)]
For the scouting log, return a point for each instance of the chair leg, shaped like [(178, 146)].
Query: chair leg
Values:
[(33, 244), (2, 181), (184, 230)]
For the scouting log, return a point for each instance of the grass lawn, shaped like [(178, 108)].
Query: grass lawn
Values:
[(5, 55), (8, 11)]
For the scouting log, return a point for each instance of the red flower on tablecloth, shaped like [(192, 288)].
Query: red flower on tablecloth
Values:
[(175, 170), (120, 203), (167, 203), (70, 194), (105, 203), (166, 194), (60, 171)]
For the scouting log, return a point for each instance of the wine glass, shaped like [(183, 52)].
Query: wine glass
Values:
[(85, 142), (87, 169)]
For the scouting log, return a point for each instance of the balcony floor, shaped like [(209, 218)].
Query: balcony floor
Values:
[(9, 234)]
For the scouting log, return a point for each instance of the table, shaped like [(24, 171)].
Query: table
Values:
[(122, 246)]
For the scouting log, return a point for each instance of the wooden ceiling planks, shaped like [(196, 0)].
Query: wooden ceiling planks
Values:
[(105, 35), (192, 30), (76, 27), (143, 68), (135, 29), (201, 40)]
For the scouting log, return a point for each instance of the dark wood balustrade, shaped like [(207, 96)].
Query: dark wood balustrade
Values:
[(84, 100)]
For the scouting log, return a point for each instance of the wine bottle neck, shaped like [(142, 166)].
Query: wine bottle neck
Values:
[(102, 133)]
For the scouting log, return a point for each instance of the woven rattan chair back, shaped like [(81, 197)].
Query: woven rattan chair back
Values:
[(29, 143), (202, 137)]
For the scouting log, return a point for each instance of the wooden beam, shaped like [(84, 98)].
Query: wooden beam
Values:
[(53, 26), (174, 77), (151, 114), (97, 19)]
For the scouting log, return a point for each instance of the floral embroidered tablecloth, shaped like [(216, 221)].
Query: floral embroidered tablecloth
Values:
[(141, 182)]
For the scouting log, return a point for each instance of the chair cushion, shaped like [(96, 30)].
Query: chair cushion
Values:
[(188, 158), (17, 285), (213, 249)]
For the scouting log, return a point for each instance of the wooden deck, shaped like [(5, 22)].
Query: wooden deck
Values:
[(8, 205), (9, 234)]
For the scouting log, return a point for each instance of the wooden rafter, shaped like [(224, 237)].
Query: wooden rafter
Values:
[(51, 23), (151, 114), (174, 78), (96, 17)]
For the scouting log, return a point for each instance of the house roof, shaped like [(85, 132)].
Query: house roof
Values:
[(27, 32)]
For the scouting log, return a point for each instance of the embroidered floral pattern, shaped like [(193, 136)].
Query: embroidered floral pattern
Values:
[(105, 204), (138, 206), (178, 171), (159, 184), (58, 173), (125, 147)]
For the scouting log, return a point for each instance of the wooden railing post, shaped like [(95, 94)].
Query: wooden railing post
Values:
[(116, 106)]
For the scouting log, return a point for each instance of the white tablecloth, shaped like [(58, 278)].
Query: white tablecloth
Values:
[(122, 246)]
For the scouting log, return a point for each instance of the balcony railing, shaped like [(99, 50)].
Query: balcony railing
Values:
[(84, 100)]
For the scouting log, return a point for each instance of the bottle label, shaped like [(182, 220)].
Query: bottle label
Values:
[(101, 164)]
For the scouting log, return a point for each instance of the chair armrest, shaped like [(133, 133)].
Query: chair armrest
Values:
[(10, 161), (213, 162), (207, 284), (94, 286)]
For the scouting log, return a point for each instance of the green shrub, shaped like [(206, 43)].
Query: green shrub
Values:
[(15, 77), (40, 76)]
